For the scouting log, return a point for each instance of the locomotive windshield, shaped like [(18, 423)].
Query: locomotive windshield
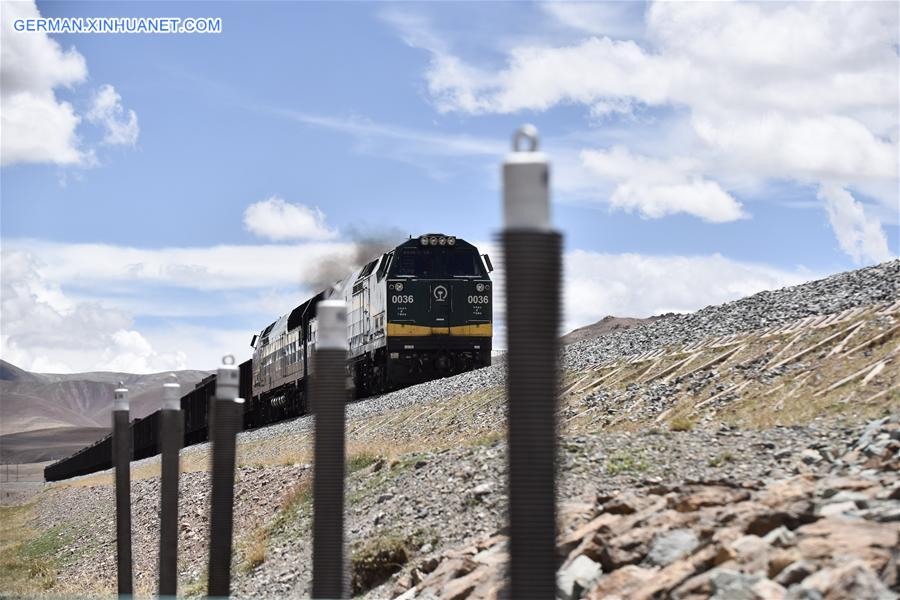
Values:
[(437, 262)]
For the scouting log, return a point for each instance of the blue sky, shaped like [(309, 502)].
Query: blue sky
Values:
[(690, 167)]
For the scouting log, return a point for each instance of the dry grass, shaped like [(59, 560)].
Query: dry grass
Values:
[(254, 550), (681, 423), (800, 399)]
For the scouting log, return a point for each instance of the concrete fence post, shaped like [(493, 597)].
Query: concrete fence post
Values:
[(121, 459), (226, 417), (171, 434), (329, 395), (532, 257)]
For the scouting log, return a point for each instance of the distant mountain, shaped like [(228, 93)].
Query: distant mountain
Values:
[(10, 372), (603, 326), (76, 407)]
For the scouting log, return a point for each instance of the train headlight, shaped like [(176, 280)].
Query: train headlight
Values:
[(451, 240), (423, 240), (442, 241), (398, 286), (479, 287), (433, 241)]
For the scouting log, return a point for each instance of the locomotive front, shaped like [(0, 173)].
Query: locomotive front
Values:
[(439, 315)]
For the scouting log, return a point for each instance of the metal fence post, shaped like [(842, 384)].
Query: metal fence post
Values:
[(122, 462), (171, 432), (329, 395), (532, 254), (225, 423)]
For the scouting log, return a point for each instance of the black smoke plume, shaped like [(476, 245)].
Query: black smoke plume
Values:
[(367, 245)]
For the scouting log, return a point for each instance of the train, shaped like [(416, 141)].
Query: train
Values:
[(418, 312)]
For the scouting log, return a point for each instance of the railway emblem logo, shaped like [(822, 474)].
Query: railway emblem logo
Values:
[(440, 293)]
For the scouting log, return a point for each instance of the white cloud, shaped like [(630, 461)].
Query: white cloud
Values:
[(701, 198), (657, 188), (809, 59), (798, 147), (858, 234), (44, 330), (762, 91), (121, 126), (612, 19), (38, 127), (69, 307), (276, 219), (540, 77), (205, 346), (224, 267)]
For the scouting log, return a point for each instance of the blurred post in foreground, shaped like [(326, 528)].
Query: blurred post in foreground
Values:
[(171, 433), (532, 255), (329, 395), (225, 419), (121, 459)]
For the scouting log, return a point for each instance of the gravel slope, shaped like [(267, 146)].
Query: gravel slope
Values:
[(423, 502)]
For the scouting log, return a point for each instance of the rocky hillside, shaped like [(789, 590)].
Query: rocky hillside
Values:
[(748, 450)]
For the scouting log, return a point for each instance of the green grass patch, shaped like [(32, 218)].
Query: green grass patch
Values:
[(721, 459), (196, 588), (624, 461), (360, 461), (27, 566), (47, 544), (361, 488)]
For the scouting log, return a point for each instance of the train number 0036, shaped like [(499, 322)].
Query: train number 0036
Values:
[(479, 300), (402, 299)]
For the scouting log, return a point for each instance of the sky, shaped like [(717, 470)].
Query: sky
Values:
[(165, 196)]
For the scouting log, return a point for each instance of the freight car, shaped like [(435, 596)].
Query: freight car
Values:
[(418, 312)]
